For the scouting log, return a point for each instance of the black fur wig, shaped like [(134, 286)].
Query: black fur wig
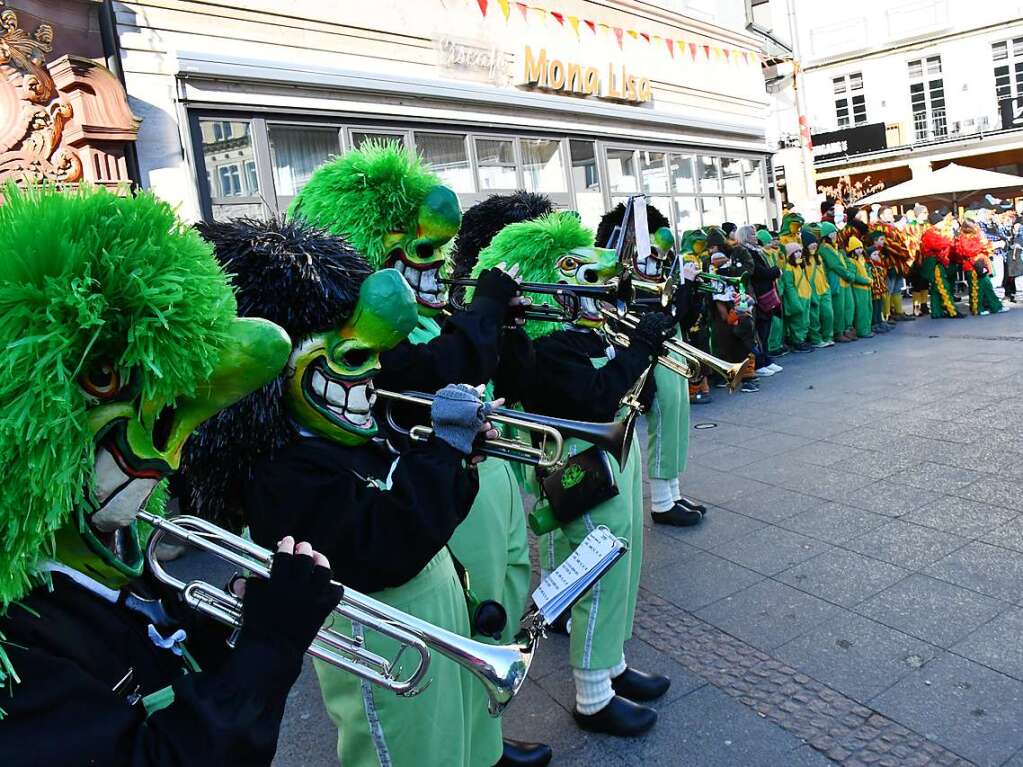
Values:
[(614, 217), (306, 281), (484, 220)]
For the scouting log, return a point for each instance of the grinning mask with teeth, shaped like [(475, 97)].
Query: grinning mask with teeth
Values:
[(384, 201), (650, 266), (119, 337), (329, 387)]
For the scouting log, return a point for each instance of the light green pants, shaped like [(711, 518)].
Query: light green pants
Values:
[(864, 311), (776, 338), (491, 544), (797, 319), (667, 425), (377, 727), (849, 301), (822, 318), (837, 294), (602, 620)]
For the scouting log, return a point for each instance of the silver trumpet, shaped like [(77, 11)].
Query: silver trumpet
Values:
[(500, 669), (546, 449)]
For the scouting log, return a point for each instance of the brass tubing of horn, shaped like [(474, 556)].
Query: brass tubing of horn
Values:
[(685, 367)]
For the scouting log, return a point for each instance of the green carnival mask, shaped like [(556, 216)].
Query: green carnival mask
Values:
[(329, 390), (139, 441), (418, 254), (662, 250), (588, 266)]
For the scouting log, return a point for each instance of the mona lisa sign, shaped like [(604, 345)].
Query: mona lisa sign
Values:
[(615, 83)]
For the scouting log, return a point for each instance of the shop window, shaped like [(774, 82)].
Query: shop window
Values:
[(621, 170), (709, 174), (359, 137), (680, 168), (229, 160), (589, 199), (296, 151), (712, 211), (543, 169), (687, 216), (754, 180), (731, 175), (756, 211), (735, 211), (447, 156), (496, 161), (652, 172)]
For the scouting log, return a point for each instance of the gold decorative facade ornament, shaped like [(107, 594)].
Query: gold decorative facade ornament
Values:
[(32, 111)]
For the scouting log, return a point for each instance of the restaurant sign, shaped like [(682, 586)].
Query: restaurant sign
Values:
[(615, 83)]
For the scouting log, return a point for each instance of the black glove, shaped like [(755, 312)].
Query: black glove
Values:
[(292, 604), (652, 330), (497, 286)]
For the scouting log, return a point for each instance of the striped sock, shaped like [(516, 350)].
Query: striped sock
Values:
[(592, 689)]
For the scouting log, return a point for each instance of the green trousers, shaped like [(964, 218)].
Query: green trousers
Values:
[(602, 621), (849, 305), (821, 318), (982, 294), (377, 727), (797, 319), (776, 338), (863, 311), (837, 306), (667, 425)]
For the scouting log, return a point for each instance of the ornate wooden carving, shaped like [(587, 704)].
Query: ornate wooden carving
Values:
[(33, 113)]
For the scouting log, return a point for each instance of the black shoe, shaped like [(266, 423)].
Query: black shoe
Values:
[(749, 387), (519, 754), (701, 399), (677, 516), (620, 717), (560, 624), (780, 353), (692, 505), (637, 686)]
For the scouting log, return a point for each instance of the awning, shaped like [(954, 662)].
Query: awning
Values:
[(954, 184)]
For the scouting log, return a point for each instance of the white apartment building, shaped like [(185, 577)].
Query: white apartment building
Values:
[(893, 87)]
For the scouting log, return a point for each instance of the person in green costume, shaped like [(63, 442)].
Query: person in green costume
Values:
[(695, 322), (862, 303), (934, 252), (776, 252), (119, 336), (972, 250), (796, 294), (667, 416), (301, 453), (821, 322), (791, 227), (392, 208), (578, 374), (839, 280)]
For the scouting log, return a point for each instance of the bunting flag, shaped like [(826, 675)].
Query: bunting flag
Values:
[(710, 52)]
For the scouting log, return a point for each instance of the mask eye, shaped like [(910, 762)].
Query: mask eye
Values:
[(424, 250), (102, 382), (569, 264), (355, 358)]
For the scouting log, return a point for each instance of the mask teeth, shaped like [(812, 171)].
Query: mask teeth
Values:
[(335, 394), (319, 384), (358, 400)]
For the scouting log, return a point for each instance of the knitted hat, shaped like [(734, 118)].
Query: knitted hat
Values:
[(793, 247), (854, 243), (716, 236), (764, 237)]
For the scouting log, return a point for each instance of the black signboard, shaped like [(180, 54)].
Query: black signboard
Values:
[(848, 141), (1012, 112)]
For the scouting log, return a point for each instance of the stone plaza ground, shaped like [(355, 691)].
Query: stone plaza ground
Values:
[(855, 594)]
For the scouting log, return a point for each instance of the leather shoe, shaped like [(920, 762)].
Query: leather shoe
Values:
[(692, 505), (519, 754), (637, 686), (620, 717), (677, 516)]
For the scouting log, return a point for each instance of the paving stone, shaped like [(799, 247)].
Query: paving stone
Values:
[(995, 490), (856, 656), (934, 477), (717, 527), (988, 569), (833, 523), (774, 504), (843, 577), (970, 709), (968, 519), (997, 644), (881, 463), (770, 550), (704, 579), (826, 454), (905, 545), (933, 610), (661, 549), (1009, 535), (889, 498), (768, 614)]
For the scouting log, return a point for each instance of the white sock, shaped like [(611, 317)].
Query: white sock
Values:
[(618, 670), (660, 495), (592, 689), (675, 492)]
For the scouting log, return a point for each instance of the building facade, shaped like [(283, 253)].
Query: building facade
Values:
[(584, 101), (897, 88)]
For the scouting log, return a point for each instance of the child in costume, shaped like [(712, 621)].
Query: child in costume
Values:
[(791, 225), (934, 250), (118, 337), (796, 293), (577, 374), (668, 412), (776, 253), (822, 319), (300, 454), (695, 323), (390, 207), (839, 280), (863, 310), (878, 291), (972, 249)]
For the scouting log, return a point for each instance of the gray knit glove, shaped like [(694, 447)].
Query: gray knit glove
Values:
[(458, 412)]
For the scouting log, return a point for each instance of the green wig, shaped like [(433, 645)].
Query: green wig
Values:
[(536, 246), (88, 277), (365, 195)]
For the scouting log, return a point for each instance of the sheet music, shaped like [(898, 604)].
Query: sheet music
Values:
[(642, 228), (594, 556)]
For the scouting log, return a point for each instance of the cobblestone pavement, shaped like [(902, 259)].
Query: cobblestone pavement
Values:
[(853, 595)]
